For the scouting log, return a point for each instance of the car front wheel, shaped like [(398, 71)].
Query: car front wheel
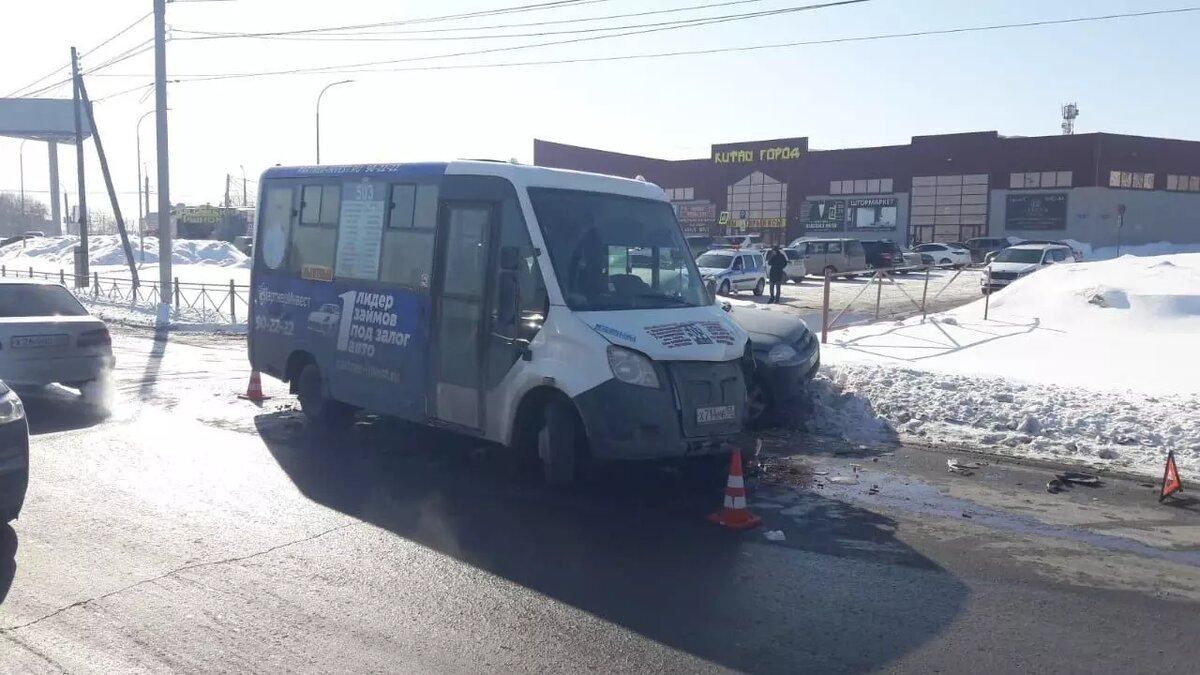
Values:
[(758, 403), (724, 290)]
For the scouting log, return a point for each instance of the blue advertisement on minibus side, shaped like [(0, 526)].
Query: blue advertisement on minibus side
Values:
[(370, 343)]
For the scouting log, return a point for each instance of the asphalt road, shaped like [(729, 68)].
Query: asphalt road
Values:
[(192, 532)]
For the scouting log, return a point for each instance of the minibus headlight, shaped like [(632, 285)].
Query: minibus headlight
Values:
[(11, 408), (631, 367)]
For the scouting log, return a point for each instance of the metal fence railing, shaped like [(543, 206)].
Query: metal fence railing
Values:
[(190, 302), (891, 280)]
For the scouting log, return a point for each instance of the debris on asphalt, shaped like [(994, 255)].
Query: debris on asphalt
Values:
[(966, 515), (826, 473), (844, 480), (1054, 486), (774, 535), (874, 490), (1075, 478), (788, 471), (961, 468)]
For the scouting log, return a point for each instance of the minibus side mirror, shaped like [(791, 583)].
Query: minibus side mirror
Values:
[(510, 258), (509, 301)]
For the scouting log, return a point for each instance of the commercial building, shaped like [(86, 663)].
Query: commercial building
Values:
[(936, 188)]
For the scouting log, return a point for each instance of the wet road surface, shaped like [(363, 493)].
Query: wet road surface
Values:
[(193, 532)]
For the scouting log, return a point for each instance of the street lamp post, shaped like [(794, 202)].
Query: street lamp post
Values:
[(21, 152), (141, 216), (245, 197), (327, 87)]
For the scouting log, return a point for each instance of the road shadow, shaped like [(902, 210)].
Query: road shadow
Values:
[(8, 559), (633, 548), (154, 362), (1183, 503), (53, 409)]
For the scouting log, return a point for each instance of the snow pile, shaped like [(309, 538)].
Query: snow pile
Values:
[(55, 253), (1142, 250), (1091, 362), (1094, 428)]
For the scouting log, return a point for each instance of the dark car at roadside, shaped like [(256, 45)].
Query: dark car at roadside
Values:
[(786, 357), (698, 243), (14, 454), (980, 247)]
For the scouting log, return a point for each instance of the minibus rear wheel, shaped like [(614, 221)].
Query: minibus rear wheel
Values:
[(315, 402)]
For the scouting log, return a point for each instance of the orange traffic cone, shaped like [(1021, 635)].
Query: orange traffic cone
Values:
[(254, 390), (1171, 483), (735, 515)]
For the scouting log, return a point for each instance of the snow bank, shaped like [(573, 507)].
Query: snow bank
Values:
[(1092, 362), (54, 253), (1142, 250), (1113, 430)]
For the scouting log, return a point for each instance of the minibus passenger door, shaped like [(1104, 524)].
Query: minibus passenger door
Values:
[(460, 300)]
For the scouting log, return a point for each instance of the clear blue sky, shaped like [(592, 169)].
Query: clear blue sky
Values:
[(1129, 76)]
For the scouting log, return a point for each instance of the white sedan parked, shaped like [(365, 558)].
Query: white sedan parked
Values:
[(47, 337), (945, 254)]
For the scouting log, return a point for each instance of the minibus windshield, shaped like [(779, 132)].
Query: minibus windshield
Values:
[(613, 252)]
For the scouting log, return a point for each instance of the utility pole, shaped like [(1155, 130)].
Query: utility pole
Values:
[(164, 169), (142, 239), (55, 214), (245, 195), (82, 278), (108, 183), (227, 178)]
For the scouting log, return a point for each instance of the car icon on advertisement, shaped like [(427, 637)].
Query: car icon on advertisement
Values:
[(325, 319)]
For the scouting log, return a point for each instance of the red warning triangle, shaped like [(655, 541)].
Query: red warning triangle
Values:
[(1171, 483)]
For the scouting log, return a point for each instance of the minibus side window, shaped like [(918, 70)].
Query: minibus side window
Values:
[(314, 240)]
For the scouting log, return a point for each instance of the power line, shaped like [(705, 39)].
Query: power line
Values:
[(355, 67), (67, 66), (123, 92), (334, 35), (558, 4), (124, 56), (681, 23), (714, 50), (119, 33), (136, 50)]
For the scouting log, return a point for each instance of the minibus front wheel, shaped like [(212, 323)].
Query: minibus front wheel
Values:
[(560, 443)]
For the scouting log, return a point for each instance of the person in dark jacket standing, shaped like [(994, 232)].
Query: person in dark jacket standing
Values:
[(776, 262)]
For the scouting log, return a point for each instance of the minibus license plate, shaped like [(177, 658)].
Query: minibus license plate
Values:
[(716, 413)]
